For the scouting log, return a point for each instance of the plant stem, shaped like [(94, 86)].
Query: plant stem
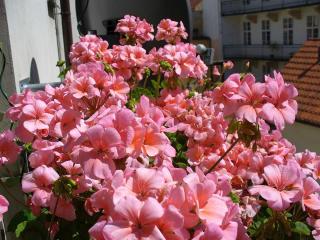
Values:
[(157, 93), (24, 165), (52, 218), (145, 82), (225, 154)]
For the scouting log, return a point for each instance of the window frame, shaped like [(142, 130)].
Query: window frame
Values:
[(312, 29), (287, 25), (247, 33), (265, 32)]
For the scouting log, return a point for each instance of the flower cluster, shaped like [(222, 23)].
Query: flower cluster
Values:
[(171, 31), (177, 62), (247, 99), (110, 159), (134, 30)]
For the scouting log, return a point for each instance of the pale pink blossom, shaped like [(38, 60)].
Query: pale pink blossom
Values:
[(39, 182), (9, 150), (171, 31), (135, 220), (62, 208), (284, 186), (311, 197), (134, 30), (281, 107), (4, 204), (36, 117)]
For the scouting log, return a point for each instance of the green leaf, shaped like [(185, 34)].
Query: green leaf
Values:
[(108, 68), (181, 165), (164, 84), (1, 116), (191, 94), (301, 228), (147, 73), (233, 126), (166, 66), (60, 63), (179, 142), (64, 187), (20, 228), (155, 84), (234, 197), (63, 73), (269, 211), (24, 215)]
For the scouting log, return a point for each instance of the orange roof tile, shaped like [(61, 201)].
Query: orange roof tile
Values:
[(303, 70)]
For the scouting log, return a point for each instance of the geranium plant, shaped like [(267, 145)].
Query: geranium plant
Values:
[(141, 145)]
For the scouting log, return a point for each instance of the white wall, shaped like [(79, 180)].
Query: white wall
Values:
[(212, 25), (232, 30), (232, 26), (32, 35)]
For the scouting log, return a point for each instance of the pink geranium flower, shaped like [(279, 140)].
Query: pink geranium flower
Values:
[(9, 150), (228, 65), (250, 97), (4, 204), (37, 119), (135, 220), (39, 182), (311, 197), (284, 186), (142, 183), (169, 31), (171, 224), (134, 30), (156, 142), (63, 208), (281, 106), (216, 71)]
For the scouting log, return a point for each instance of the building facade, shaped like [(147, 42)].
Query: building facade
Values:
[(266, 32)]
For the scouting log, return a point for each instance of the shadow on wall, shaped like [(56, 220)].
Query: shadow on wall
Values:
[(34, 74)]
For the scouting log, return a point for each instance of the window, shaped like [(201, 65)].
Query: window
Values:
[(265, 26), (246, 2), (269, 67), (266, 69), (247, 33), (287, 31), (312, 27)]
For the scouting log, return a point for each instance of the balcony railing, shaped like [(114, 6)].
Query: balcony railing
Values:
[(276, 52), (234, 7)]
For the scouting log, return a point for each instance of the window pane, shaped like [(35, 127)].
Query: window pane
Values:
[(309, 21), (315, 33), (285, 37), (290, 42), (309, 33), (285, 22), (315, 21), (290, 23)]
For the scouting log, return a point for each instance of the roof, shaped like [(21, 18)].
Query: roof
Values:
[(303, 70)]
